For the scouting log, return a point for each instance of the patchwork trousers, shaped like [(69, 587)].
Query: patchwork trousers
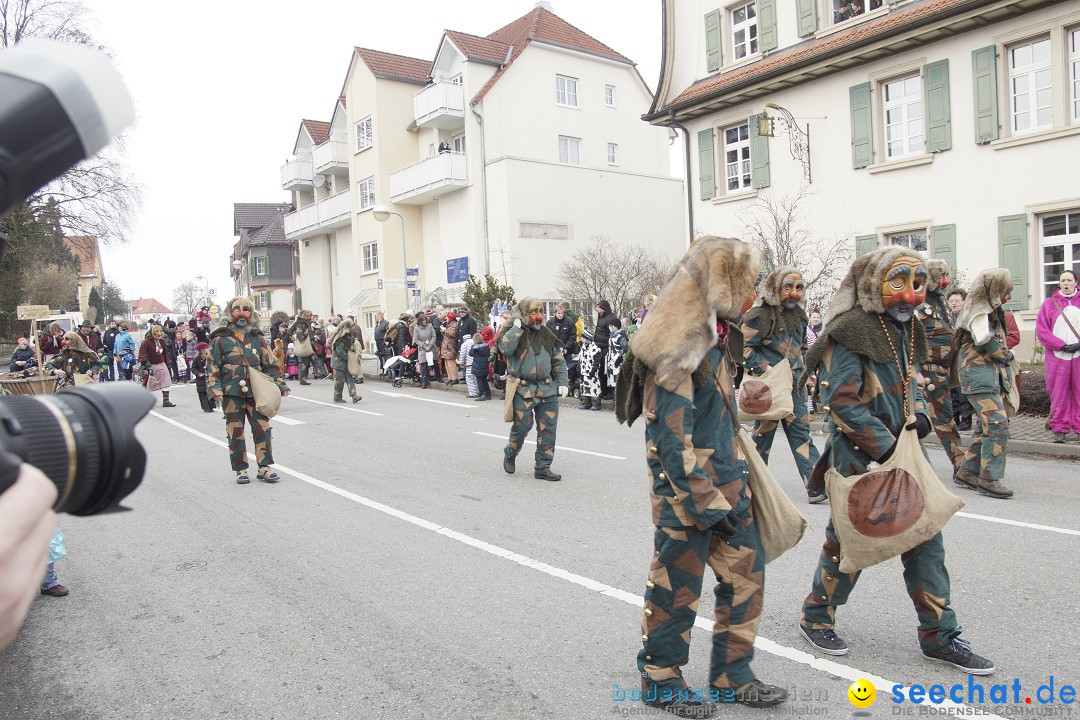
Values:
[(941, 411), (341, 379), (798, 437), (986, 454), (237, 410), (546, 411)]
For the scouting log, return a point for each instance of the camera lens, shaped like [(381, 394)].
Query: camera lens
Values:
[(83, 439)]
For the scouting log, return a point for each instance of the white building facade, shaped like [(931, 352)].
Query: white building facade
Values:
[(944, 125)]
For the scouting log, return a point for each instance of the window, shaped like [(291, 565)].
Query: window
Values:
[(456, 80), (369, 317), (1074, 73), (371, 257), (744, 39), (367, 193), (1059, 238), (262, 300), (609, 95), (569, 150), (612, 154), (1031, 101), (913, 240), (737, 158), (903, 116), (260, 265), (848, 9), (459, 143), (363, 134), (566, 91)]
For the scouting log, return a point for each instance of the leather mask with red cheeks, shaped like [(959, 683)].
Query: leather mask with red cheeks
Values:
[(791, 290), (903, 288), (536, 315), (241, 314), (943, 282)]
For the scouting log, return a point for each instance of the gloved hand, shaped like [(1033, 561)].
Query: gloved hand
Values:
[(921, 426), (517, 323), (726, 526), (1071, 347), (563, 391)]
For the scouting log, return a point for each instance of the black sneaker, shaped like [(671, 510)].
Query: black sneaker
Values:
[(958, 653), (759, 695), (816, 498), (827, 641)]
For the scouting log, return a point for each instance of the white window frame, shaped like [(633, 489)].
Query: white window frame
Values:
[(369, 321), (366, 193), (569, 150), (609, 96), (749, 28), (260, 266), (612, 154), (742, 162), (910, 241), (566, 91), (458, 143), (1029, 73), (364, 134), (1074, 73), (868, 6), (905, 107), (1069, 242), (369, 258)]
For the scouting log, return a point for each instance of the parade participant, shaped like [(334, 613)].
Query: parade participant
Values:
[(601, 335), (74, 359), (1058, 329), (934, 314), (153, 352), (301, 336), (534, 356), (23, 358), (341, 342), (235, 345), (774, 330), (589, 358), (51, 342), (617, 345), (986, 379), (866, 360), (700, 501)]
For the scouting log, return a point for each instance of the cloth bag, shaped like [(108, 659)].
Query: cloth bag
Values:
[(508, 402), (767, 396), (889, 510), (265, 391), (1012, 398), (303, 348), (355, 368)]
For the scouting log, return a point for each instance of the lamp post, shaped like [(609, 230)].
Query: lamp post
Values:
[(206, 281), (382, 213), (238, 266)]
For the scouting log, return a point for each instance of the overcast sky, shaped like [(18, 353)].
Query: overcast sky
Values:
[(220, 89)]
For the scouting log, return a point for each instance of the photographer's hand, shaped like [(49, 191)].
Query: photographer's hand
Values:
[(27, 524)]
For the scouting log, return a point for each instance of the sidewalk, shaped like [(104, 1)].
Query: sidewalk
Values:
[(1027, 433)]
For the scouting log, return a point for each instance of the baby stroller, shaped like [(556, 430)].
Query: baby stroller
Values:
[(402, 367)]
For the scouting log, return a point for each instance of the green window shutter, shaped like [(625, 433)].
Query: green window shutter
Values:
[(299, 301), (759, 155), (766, 20), (808, 20), (296, 264), (714, 55), (865, 243), (266, 264), (706, 164), (251, 268), (984, 81), (943, 244), (938, 113), (1013, 255), (862, 141)]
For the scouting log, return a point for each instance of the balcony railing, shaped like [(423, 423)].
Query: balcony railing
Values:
[(426, 180), (328, 214), (440, 105), (331, 158), (296, 174)]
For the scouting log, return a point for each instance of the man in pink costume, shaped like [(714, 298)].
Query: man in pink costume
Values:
[(1058, 329)]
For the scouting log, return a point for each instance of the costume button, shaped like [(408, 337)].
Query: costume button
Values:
[(854, 447), (827, 408), (648, 611), (824, 597), (825, 384), (835, 559), (653, 451), (644, 638), (650, 584), (648, 657), (828, 578), (663, 476), (651, 417)]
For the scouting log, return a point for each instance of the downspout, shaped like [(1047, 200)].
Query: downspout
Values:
[(483, 187), (689, 185), (330, 270)]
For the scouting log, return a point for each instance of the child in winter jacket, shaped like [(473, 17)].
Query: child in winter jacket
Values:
[(465, 361), (481, 356), (292, 364), (198, 370)]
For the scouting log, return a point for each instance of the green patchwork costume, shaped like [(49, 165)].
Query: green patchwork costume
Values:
[(934, 315), (340, 344)]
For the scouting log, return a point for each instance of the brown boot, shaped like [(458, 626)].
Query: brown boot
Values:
[(994, 488), (965, 479)]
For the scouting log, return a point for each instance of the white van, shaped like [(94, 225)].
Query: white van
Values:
[(68, 321)]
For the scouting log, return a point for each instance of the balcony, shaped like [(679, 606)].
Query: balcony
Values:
[(331, 158), (440, 105), (321, 217), (296, 175), (423, 181)]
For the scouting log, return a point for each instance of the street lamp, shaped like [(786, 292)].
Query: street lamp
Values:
[(238, 266), (207, 283), (382, 213)]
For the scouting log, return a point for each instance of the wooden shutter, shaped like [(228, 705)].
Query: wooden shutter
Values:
[(759, 155), (714, 55), (266, 263), (766, 18), (706, 164), (938, 113), (299, 301), (985, 84), (1013, 255), (296, 265), (251, 268), (808, 20), (865, 243), (943, 244), (862, 140)]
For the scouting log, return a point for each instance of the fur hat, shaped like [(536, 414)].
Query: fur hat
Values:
[(345, 328), (226, 318), (520, 311), (773, 285), (713, 278), (862, 285), (936, 268), (302, 315), (76, 344), (983, 300)]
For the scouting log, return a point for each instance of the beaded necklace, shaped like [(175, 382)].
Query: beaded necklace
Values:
[(905, 378)]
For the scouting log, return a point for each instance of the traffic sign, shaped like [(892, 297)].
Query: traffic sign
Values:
[(412, 276), (416, 293), (457, 270), (392, 283)]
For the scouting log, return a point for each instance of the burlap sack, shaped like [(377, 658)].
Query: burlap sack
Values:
[(303, 348), (508, 403), (1012, 398), (779, 523), (355, 368), (887, 511), (767, 396), (265, 391)]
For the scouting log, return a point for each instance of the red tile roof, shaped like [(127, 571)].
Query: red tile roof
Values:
[(318, 130), (86, 251), (147, 306), (818, 49), (395, 67), (475, 47)]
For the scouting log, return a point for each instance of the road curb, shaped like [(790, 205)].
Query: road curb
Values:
[(1029, 447)]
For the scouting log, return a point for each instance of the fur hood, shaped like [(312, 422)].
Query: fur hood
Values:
[(935, 268), (542, 338), (302, 315), (224, 325), (983, 300), (862, 285), (76, 345), (712, 280), (771, 288), (345, 328)]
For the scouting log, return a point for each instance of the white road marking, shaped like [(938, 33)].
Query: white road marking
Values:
[(287, 421), (802, 657), (339, 406), (557, 447), (424, 399), (1033, 526)]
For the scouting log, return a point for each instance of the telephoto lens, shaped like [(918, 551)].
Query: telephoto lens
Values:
[(82, 438)]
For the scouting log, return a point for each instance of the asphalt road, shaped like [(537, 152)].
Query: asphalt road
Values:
[(397, 572)]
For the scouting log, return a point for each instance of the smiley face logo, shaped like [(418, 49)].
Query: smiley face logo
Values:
[(861, 693)]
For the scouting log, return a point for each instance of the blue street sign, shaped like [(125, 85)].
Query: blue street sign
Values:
[(412, 276), (416, 293), (457, 270)]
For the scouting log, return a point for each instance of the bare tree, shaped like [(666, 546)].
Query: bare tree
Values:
[(187, 297), (620, 274), (52, 285), (777, 225)]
